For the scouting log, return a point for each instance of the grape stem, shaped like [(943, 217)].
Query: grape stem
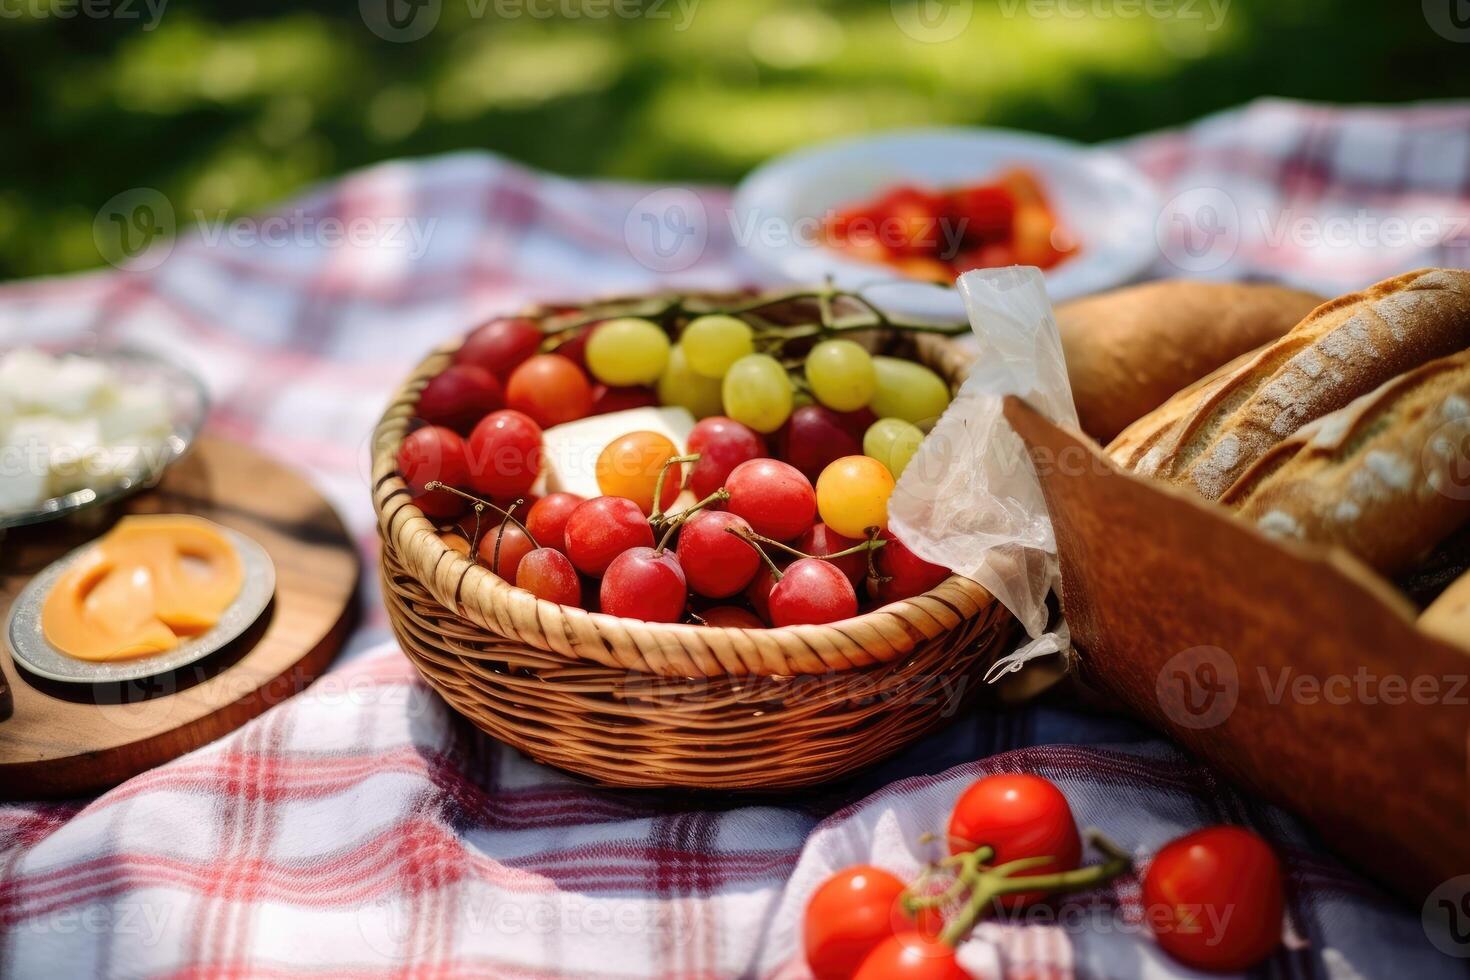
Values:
[(985, 883)]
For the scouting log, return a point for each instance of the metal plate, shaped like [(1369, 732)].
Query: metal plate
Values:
[(33, 652)]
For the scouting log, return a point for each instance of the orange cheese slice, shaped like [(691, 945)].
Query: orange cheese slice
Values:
[(141, 588)]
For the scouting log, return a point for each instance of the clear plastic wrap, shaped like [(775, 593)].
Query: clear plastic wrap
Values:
[(969, 500)]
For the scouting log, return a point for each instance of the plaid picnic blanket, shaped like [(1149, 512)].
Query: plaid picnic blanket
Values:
[(360, 830)]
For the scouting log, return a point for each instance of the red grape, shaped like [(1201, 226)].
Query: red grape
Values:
[(812, 591), (605, 399), (907, 574), (773, 496), (716, 562), (645, 584), (459, 397), (821, 541), (815, 436), (574, 348), (547, 520), (602, 528), (505, 454), (514, 545), (548, 574), (732, 617), (722, 445), (550, 389), (500, 345), (856, 422), (434, 453)]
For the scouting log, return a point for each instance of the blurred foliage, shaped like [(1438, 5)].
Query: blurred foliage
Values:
[(229, 104)]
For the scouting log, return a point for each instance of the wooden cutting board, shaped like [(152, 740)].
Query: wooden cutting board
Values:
[(70, 739)]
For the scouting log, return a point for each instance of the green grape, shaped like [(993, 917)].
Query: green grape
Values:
[(679, 385), (841, 375), (908, 391), (893, 443), (713, 343), (757, 392), (627, 351)]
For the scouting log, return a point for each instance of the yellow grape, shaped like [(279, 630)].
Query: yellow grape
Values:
[(712, 343), (627, 351), (679, 385), (841, 375), (908, 391), (893, 443), (757, 392), (852, 495)]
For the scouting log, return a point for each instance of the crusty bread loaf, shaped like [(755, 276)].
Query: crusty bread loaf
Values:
[(1208, 435), (1129, 349), (1381, 477)]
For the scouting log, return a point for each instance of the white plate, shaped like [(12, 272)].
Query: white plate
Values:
[(1106, 202), (32, 651)]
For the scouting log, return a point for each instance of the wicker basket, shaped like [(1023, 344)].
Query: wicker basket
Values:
[(630, 703)]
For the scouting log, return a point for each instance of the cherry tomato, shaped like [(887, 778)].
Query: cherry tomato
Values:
[(1019, 816), (910, 956), (551, 389), (848, 915), (1213, 899)]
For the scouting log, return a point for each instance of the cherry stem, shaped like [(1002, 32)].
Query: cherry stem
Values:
[(480, 505), (657, 517), (751, 538), (873, 558), (679, 519), (986, 883), (872, 544)]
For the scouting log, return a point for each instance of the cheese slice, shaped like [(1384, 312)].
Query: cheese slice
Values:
[(571, 449)]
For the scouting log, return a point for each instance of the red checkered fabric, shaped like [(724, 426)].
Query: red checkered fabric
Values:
[(359, 830)]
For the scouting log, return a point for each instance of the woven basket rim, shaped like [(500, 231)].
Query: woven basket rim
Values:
[(491, 603)]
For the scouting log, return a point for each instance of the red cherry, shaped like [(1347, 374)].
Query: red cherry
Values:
[(459, 396), (645, 584), (722, 445), (716, 562), (505, 454), (773, 496), (759, 592), (514, 545), (821, 541), (500, 345), (434, 453), (547, 519), (907, 575), (550, 389), (548, 574), (732, 617), (601, 529), (605, 399), (815, 436), (812, 591)]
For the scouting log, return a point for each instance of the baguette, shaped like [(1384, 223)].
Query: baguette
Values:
[(1129, 349), (1208, 435), (1383, 477)]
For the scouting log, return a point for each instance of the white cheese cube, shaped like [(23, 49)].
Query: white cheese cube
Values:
[(23, 477), (77, 385), (136, 414), (27, 376), (572, 448)]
